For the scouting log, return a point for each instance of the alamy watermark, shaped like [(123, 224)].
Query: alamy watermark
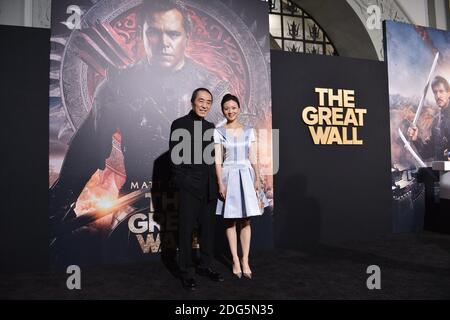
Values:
[(74, 280), (374, 280), (374, 19), (186, 152), (74, 20)]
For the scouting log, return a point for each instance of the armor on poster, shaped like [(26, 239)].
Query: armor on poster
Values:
[(121, 72)]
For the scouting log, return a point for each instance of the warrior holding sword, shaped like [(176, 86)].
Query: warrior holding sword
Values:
[(438, 145)]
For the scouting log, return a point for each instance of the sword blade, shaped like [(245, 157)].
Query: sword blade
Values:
[(410, 149), (425, 89)]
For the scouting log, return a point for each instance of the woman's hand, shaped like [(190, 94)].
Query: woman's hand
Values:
[(257, 184), (222, 190)]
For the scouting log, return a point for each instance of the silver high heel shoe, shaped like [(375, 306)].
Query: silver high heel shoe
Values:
[(247, 275), (238, 274)]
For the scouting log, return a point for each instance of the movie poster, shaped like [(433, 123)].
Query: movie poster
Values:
[(419, 73), (117, 83)]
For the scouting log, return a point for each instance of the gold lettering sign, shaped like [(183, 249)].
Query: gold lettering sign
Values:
[(335, 120)]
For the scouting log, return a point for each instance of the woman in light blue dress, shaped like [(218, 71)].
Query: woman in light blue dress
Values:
[(238, 179)]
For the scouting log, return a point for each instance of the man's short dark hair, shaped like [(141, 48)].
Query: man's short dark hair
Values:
[(229, 97), (150, 6), (440, 80), (196, 91)]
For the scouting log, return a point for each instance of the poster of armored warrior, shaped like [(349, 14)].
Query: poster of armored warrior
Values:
[(121, 71), (418, 61)]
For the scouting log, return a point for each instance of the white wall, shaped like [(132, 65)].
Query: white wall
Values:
[(441, 21), (30, 13), (410, 11), (417, 10), (12, 12)]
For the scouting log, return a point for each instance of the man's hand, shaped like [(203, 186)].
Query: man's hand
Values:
[(413, 132)]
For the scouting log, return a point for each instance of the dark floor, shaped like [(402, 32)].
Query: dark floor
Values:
[(413, 266)]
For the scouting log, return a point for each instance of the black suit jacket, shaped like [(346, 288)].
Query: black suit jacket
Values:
[(197, 178)]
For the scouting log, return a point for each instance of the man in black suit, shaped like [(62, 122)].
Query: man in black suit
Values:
[(192, 156)]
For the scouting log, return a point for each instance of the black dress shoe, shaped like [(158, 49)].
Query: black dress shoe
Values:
[(209, 273), (189, 284)]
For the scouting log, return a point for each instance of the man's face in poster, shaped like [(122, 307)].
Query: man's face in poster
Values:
[(441, 95), (165, 39)]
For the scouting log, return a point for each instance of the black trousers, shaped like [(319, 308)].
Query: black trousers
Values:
[(193, 210)]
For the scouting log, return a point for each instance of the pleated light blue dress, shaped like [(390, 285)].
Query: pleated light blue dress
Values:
[(238, 175)]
